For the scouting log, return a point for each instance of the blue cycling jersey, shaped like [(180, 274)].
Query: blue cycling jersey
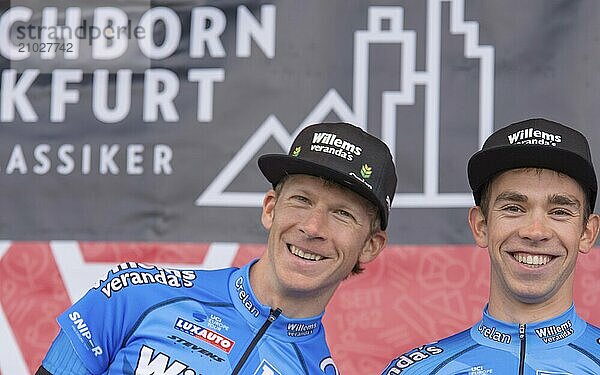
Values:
[(564, 345), (143, 319)]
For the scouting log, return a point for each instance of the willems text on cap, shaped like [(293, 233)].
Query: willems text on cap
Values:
[(536, 143), (343, 153)]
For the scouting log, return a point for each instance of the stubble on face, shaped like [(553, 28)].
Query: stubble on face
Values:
[(318, 231)]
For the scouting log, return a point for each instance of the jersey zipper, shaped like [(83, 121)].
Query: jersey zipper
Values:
[(523, 338), (274, 314)]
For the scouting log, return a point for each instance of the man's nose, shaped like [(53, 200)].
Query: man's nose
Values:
[(536, 228), (314, 223)]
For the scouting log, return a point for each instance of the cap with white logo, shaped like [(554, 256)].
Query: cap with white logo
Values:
[(534, 143), (343, 153)]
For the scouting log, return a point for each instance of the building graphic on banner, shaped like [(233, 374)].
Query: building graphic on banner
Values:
[(216, 195)]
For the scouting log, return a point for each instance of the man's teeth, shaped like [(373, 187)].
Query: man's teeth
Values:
[(532, 260), (304, 255)]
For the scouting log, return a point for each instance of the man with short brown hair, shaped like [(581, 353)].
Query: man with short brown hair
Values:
[(535, 189)]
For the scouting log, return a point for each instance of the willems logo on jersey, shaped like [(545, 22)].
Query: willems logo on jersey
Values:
[(204, 334), (300, 329), (554, 333)]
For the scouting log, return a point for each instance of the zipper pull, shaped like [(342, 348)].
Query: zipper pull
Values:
[(274, 314), (522, 330)]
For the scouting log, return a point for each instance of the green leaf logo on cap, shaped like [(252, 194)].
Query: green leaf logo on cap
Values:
[(366, 171), (296, 151)]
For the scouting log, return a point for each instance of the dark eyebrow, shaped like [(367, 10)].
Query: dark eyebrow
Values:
[(556, 199), (511, 196), (565, 200)]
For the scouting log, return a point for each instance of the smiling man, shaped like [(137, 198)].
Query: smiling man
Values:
[(535, 189), (326, 216)]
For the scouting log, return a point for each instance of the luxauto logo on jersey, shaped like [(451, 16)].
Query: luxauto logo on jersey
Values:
[(213, 338)]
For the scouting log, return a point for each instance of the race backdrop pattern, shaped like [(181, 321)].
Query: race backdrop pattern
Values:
[(130, 131), (409, 296)]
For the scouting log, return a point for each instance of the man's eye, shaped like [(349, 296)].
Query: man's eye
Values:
[(561, 212), (300, 198), (345, 214), (512, 208)]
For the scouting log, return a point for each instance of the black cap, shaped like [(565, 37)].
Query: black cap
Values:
[(535, 143), (343, 153)]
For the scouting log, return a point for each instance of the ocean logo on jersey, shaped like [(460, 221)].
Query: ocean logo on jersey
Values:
[(265, 368), (199, 316), (300, 329), (493, 334), (245, 297), (148, 363), (213, 338), (406, 360), (85, 335), (553, 333), (533, 136)]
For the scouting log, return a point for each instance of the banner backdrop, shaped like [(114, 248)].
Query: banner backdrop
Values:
[(130, 131)]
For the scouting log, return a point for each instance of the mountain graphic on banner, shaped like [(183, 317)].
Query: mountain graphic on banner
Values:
[(385, 26)]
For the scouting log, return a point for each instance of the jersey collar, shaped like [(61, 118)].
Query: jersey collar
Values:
[(255, 313), (558, 331)]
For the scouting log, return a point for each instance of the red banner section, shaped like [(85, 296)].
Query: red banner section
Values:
[(409, 296)]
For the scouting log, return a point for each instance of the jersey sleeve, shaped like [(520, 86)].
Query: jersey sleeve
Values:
[(99, 324), (61, 358)]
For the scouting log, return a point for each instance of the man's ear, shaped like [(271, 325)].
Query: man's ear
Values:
[(267, 209), (589, 234), (373, 246), (478, 224)]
